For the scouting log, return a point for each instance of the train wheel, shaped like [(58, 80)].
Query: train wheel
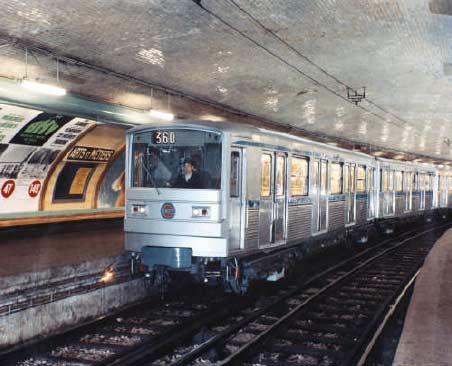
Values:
[(235, 280)]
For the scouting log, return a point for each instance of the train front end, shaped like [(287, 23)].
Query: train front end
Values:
[(174, 221)]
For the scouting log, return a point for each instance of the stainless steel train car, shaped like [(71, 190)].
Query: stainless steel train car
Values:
[(228, 203), (444, 191), (406, 189)]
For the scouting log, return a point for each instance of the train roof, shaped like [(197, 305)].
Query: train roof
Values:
[(238, 128), (247, 130), (217, 125)]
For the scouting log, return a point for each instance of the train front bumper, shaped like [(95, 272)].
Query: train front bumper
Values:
[(174, 258), (200, 246)]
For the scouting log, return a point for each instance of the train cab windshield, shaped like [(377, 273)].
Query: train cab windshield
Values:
[(176, 158)]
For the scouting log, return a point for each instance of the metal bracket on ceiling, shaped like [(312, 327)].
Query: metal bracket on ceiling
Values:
[(198, 2), (355, 96)]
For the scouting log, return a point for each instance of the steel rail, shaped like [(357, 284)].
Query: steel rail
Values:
[(156, 345), (230, 359), (218, 338)]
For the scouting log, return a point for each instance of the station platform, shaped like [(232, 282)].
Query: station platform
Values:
[(426, 338), (35, 248)]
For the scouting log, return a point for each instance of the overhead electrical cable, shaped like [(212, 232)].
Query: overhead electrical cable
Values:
[(294, 67)]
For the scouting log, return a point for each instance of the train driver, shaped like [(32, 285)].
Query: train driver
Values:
[(190, 177)]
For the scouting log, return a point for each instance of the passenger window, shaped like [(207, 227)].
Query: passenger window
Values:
[(390, 180), (421, 182), (406, 181), (298, 176), (347, 178), (314, 177), (369, 179), (361, 179), (234, 187), (415, 181), (352, 177), (266, 164), (428, 182), (324, 176), (336, 178), (384, 180), (399, 181), (280, 173)]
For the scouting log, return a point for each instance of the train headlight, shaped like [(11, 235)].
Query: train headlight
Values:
[(139, 209), (200, 211)]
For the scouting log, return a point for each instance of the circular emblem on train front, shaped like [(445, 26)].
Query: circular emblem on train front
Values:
[(168, 211)]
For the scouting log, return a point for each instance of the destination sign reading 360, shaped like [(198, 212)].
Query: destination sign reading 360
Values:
[(163, 137)]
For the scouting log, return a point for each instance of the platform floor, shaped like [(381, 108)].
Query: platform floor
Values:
[(426, 339), (43, 247)]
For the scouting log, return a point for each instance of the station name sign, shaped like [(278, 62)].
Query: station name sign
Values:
[(82, 153)]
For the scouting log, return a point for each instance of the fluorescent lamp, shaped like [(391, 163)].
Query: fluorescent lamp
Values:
[(161, 115), (440, 166), (43, 88), (211, 117)]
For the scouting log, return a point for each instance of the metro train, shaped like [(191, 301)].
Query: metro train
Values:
[(227, 203)]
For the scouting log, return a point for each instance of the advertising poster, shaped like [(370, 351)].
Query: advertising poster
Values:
[(12, 119), (69, 133), (73, 181), (98, 149), (37, 131), (12, 160), (30, 142), (112, 189)]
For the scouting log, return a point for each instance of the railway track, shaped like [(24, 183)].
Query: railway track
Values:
[(310, 321), (326, 321), (133, 331)]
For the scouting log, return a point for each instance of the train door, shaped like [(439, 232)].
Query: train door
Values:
[(388, 192), (279, 198), (266, 201), (319, 179), (415, 191), (350, 193), (442, 191), (273, 206), (371, 192), (438, 194), (422, 191), (237, 202), (407, 185)]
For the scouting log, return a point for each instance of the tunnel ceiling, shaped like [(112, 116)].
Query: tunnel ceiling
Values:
[(286, 61)]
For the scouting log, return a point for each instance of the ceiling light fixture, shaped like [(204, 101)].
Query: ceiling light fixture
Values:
[(161, 115), (211, 117), (41, 87), (166, 116)]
